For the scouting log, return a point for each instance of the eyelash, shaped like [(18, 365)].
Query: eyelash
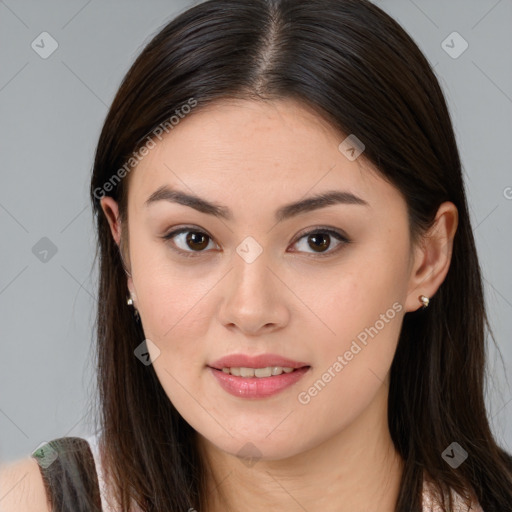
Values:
[(320, 230)]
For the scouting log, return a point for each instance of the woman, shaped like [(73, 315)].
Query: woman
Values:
[(290, 303)]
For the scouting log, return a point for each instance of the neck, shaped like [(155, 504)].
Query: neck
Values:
[(355, 469)]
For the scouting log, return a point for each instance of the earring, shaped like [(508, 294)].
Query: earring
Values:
[(129, 301), (425, 300)]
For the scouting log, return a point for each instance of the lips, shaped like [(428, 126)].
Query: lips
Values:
[(257, 387), (260, 361)]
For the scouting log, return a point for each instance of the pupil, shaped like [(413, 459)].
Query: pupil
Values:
[(324, 244), (193, 238)]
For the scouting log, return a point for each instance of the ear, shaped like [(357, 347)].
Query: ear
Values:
[(111, 210), (432, 256)]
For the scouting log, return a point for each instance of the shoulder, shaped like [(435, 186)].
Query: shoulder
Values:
[(22, 488), (431, 500)]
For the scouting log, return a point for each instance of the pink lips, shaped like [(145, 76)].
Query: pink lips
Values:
[(256, 387)]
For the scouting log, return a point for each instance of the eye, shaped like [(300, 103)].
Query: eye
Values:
[(320, 240), (189, 238), (193, 240)]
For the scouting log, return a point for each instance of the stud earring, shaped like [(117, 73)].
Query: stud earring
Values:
[(425, 300), (129, 301)]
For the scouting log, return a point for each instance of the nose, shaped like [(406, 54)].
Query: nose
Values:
[(254, 297)]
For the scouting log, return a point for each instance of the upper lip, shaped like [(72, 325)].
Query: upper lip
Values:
[(261, 361)]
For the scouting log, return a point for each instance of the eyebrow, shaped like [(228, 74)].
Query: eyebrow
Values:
[(321, 200)]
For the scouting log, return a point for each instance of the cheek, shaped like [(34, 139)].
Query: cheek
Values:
[(356, 341), (172, 296), (355, 296), (176, 316), (174, 307)]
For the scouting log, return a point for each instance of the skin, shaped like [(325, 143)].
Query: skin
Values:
[(335, 452)]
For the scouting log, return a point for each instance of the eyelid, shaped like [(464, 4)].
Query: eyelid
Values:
[(334, 232)]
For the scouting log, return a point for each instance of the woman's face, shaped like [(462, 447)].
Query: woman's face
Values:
[(266, 279)]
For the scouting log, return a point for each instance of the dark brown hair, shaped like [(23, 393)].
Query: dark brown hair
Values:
[(359, 70)]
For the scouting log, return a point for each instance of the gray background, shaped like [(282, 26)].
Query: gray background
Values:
[(51, 113)]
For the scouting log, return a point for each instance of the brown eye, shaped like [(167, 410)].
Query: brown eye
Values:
[(188, 241), (196, 240), (320, 241)]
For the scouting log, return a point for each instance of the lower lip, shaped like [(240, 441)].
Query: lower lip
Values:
[(257, 387)]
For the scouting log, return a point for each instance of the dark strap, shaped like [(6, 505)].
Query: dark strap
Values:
[(69, 474)]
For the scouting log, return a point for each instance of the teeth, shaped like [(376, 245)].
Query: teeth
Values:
[(257, 372), (246, 372)]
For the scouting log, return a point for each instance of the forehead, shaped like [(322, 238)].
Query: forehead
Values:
[(236, 151)]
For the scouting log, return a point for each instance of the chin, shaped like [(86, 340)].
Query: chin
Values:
[(250, 449)]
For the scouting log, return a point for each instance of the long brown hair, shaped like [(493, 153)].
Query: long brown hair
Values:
[(358, 69)]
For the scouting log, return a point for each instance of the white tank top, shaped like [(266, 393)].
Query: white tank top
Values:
[(106, 500)]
